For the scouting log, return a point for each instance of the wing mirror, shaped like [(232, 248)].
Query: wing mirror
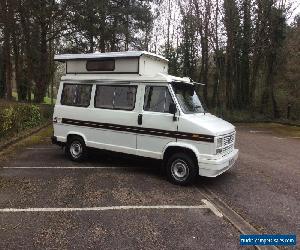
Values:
[(173, 110)]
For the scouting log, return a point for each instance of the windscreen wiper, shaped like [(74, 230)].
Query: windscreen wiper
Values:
[(200, 107)]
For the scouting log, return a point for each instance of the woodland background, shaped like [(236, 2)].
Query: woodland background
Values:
[(246, 52)]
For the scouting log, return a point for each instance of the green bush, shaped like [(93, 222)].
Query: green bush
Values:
[(17, 117), (46, 111)]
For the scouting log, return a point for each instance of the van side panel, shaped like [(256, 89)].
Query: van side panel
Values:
[(99, 127)]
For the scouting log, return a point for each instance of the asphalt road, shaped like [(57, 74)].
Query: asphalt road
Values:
[(263, 188)]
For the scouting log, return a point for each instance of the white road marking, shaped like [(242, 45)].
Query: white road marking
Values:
[(283, 138), (74, 209), (50, 148), (73, 167), (259, 131), (207, 205), (212, 208)]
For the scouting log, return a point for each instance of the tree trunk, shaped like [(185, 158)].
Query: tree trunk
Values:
[(205, 51), (28, 71), (233, 81), (245, 58), (19, 65), (7, 65), (254, 76), (102, 32), (127, 33), (113, 40), (269, 91), (43, 74), (215, 96), (203, 29), (7, 20), (168, 30), (92, 43), (2, 77)]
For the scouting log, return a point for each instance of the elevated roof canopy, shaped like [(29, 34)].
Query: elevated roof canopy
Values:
[(137, 65), (130, 62), (126, 54)]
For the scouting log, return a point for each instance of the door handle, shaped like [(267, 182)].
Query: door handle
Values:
[(140, 119)]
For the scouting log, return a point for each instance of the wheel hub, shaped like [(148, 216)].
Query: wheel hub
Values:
[(180, 170), (75, 149)]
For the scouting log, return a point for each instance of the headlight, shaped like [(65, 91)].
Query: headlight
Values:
[(219, 142)]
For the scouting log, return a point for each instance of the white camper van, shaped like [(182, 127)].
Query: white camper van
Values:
[(126, 102)]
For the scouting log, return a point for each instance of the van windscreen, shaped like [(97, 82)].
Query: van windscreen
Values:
[(188, 98)]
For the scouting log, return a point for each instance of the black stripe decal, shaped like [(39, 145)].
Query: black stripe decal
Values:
[(140, 130)]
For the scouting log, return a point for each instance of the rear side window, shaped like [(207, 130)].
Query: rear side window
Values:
[(157, 99), (115, 97), (76, 95)]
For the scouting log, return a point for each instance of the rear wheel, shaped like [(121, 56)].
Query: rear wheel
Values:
[(76, 149), (181, 169)]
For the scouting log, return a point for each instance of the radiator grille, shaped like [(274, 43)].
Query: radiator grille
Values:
[(228, 139), (227, 150), (228, 144)]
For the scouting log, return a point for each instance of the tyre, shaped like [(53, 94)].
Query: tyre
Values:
[(75, 149), (181, 169)]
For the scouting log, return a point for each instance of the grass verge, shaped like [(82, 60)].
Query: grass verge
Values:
[(36, 138), (47, 100)]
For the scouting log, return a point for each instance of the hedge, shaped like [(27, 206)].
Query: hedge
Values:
[(16, 117)]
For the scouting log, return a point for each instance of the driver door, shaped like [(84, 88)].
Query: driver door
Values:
[(158, 126)]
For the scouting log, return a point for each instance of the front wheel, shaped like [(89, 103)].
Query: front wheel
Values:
[(76, 149), (181, 169)]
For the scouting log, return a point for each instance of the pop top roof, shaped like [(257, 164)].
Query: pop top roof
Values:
[(126, 54)]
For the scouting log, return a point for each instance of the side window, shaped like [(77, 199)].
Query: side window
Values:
[(115, 97), (157, 99), (125, 98), (76, 95), (104, 97)]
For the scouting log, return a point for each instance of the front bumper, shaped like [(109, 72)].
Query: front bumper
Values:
[(215, 167)]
